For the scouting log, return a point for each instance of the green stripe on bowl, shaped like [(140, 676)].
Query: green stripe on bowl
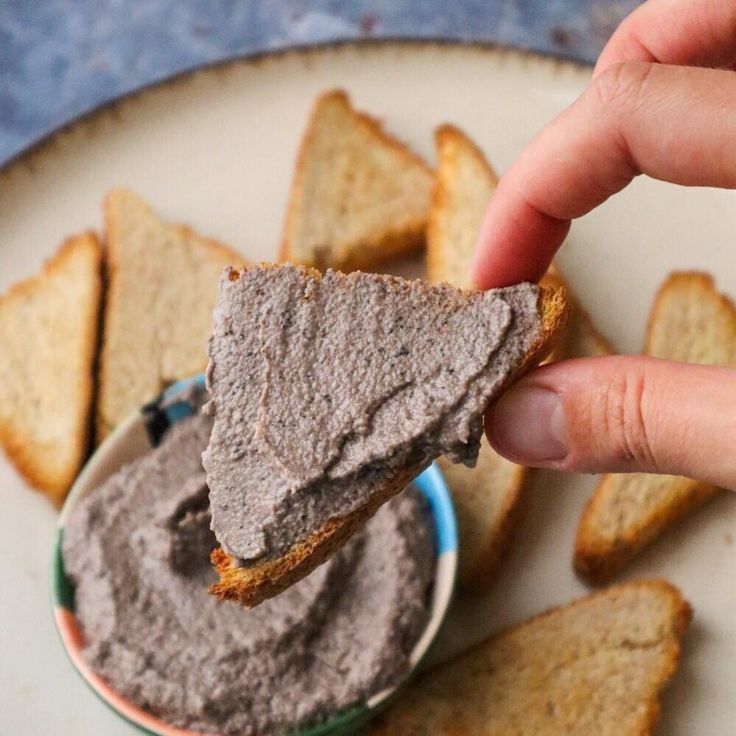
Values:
[(63, 589), (344, 723)]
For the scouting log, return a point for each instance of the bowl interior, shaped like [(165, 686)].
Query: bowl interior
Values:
[(136, 436)]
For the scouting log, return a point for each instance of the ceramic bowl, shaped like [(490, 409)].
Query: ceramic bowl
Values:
[(136, 436)]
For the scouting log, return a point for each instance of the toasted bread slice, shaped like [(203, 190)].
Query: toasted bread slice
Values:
[(162, 287), (595, 666), (48, 334), (254, 583), (489, 497), (359, 197), (690, 322)]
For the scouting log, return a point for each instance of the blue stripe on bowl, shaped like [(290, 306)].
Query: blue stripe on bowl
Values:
[(169, 407), (433, 487), (178, 410), (179, 386)]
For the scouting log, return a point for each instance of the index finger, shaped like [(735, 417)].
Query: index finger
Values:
[(669, 122)]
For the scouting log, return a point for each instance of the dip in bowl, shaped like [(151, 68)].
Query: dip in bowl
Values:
[(319, 659)]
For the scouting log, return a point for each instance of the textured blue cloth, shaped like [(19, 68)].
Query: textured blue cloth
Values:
[(61, 58)]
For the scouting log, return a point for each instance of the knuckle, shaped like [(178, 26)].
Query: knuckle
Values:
[(621, 85), (624, 420)]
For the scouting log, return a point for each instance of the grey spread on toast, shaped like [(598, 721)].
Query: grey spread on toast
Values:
[(325, 388)]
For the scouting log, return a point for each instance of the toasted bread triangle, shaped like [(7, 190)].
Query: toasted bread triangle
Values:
[(253, 584), (359, 196), (162, 287), (690, 322), (489, 497), (48, 334), (595, 666)]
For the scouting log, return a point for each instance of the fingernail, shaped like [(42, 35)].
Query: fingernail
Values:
[(528, 424)]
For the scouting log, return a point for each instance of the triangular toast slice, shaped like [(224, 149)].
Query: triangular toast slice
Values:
[(693, 323), (379, 374), (595, 666), (162, 286), (489, 497), (359, 196), (48, 334)]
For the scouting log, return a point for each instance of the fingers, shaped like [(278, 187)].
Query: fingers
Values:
[(687, 32), (626, 123), (672, 123), (622, 414)]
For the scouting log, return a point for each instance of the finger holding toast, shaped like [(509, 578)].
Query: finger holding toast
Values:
[(638, 116), (642, 114)]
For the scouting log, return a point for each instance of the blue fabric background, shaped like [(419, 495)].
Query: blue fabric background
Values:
[(61, 58)]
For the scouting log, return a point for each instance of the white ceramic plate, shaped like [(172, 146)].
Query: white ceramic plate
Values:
[(216, 150)]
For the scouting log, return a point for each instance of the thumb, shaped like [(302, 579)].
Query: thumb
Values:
[(621, 414)]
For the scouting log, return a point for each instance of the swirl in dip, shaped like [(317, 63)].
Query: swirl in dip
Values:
[(137, 551)]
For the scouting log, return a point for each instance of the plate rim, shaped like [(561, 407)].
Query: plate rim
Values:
[(37, 146)]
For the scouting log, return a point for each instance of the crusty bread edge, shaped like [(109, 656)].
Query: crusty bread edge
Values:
[(250, 586), (705, 279), (562, 351), (111, 265), (56, 487), (254, 584), (682, 616), (390, 243)]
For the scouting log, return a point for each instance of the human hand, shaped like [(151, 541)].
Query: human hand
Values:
[(656, 106)]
